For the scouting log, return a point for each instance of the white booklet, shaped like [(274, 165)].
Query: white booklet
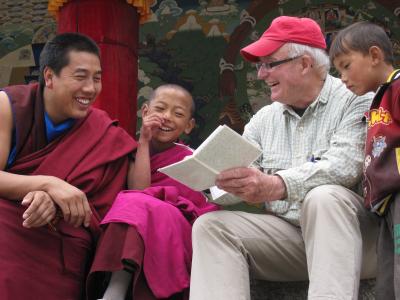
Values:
[(222, 197), (222, 150)]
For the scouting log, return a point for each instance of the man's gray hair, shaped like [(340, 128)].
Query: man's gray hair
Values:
[(321, 58)]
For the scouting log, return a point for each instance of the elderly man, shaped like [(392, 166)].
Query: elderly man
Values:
[(315, 227), (61, 165)]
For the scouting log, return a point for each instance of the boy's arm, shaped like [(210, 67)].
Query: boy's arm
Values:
[(139, 174)]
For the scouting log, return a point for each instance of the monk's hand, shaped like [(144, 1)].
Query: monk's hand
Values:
[(71, 200), (150, 123), (252, 185), (41, 209)]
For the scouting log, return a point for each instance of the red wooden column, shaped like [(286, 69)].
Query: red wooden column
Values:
[(114, 25)]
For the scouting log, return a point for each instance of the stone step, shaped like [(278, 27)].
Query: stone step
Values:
[(267, 290)]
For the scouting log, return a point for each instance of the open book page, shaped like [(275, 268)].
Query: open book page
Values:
[(221, 197), (232, 202), (225, 149), (222, 150), (191, 172)]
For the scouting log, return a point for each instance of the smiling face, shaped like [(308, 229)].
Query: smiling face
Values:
[(175, 108), (357, 72), (70, 93), (284, 79)]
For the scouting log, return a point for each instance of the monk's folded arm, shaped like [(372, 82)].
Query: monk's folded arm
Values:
[(15, 187)]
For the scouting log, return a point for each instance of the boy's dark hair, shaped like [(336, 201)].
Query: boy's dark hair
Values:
[(360, 37), (170, 86), (55, 53)]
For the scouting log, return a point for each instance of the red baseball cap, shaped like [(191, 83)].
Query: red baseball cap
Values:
[(283, 30)]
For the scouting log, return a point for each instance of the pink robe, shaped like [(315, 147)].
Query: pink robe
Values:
[(164, 226)]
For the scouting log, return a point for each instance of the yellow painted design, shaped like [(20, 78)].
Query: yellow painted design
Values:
[(142, 6)]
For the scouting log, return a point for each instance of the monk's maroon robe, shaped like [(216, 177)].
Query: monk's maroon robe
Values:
[(39, 263)]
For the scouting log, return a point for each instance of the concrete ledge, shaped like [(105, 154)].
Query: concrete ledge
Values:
[(267, 290)]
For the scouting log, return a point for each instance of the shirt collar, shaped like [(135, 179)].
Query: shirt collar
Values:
[(54, 130)]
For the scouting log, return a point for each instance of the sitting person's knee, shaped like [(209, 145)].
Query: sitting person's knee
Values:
[(321, 191), (205, 224), (325, 197)]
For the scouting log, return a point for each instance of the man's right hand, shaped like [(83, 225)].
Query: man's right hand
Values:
[(71, 200), (251, 185)]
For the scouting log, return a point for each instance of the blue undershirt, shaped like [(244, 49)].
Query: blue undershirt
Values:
[(52, 132)]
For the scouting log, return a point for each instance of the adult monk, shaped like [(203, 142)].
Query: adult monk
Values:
[(61, 165)]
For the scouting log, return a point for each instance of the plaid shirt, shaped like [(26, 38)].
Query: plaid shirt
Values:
[(323, 146)]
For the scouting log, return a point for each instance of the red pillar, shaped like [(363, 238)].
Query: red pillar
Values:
[(114, 25)]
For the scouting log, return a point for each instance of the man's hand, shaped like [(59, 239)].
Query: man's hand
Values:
[(251, 185), (41, 209), (72, 201)]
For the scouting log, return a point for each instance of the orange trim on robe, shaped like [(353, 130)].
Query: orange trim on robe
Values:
[(143, 8)]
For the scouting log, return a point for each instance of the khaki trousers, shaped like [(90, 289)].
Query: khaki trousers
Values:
[(334, 246)]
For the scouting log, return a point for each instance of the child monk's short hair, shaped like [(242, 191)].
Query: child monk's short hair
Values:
[(360, 37), (175, 87)]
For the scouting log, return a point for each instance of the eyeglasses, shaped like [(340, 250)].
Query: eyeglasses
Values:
[(269, 66)]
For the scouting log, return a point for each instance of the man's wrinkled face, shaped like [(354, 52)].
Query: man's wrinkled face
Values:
[(282, 79)]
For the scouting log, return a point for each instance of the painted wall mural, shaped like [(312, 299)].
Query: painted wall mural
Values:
[(194, 43), (24, 27)]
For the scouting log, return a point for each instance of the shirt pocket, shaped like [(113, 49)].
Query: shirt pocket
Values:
[(322, 144), (272, 162)]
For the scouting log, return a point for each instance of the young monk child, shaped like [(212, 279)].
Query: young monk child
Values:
[(146, 244), (363, 54)]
